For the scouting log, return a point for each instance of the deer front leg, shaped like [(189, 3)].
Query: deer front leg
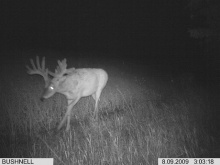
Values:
[(67, 116)]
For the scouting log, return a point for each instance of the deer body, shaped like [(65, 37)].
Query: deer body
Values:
[(73, 83), (82, 81)]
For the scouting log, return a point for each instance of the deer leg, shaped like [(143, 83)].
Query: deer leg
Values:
[(97, 96), (67, 114), (93, 96)]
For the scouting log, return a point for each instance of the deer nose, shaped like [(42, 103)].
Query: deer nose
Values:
[(42, 99)]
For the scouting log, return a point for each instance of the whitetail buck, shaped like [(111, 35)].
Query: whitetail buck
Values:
[(73, 83)]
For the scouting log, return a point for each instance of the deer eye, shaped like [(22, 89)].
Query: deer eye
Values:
[(51, 87)]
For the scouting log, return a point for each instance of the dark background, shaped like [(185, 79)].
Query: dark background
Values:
[(148, 32), (137, 26), (152, 30)]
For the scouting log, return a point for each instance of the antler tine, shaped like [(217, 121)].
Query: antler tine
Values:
[(61, 68), (62, 64), (33, 65), (40, 69), (43, 63), (31, 71), (58, 69), (38, 63)]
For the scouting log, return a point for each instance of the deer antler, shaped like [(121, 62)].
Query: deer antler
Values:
[(40, 69), (60, 70)]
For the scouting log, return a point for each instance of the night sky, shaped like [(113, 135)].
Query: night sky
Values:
[(137, 26), (149, 31)]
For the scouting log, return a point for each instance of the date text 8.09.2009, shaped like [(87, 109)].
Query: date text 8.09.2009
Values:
[(188, 161)]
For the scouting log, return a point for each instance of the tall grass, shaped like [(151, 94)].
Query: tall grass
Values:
[(137, 124)]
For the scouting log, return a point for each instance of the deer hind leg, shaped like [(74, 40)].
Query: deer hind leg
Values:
[(68, 114), (96, 97)]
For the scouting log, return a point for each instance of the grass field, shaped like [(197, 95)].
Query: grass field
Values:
[(141, 118)]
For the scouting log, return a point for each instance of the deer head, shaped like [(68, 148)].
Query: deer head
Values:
[(51, 84)]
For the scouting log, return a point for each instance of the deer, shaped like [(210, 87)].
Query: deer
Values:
[(72, 83)]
